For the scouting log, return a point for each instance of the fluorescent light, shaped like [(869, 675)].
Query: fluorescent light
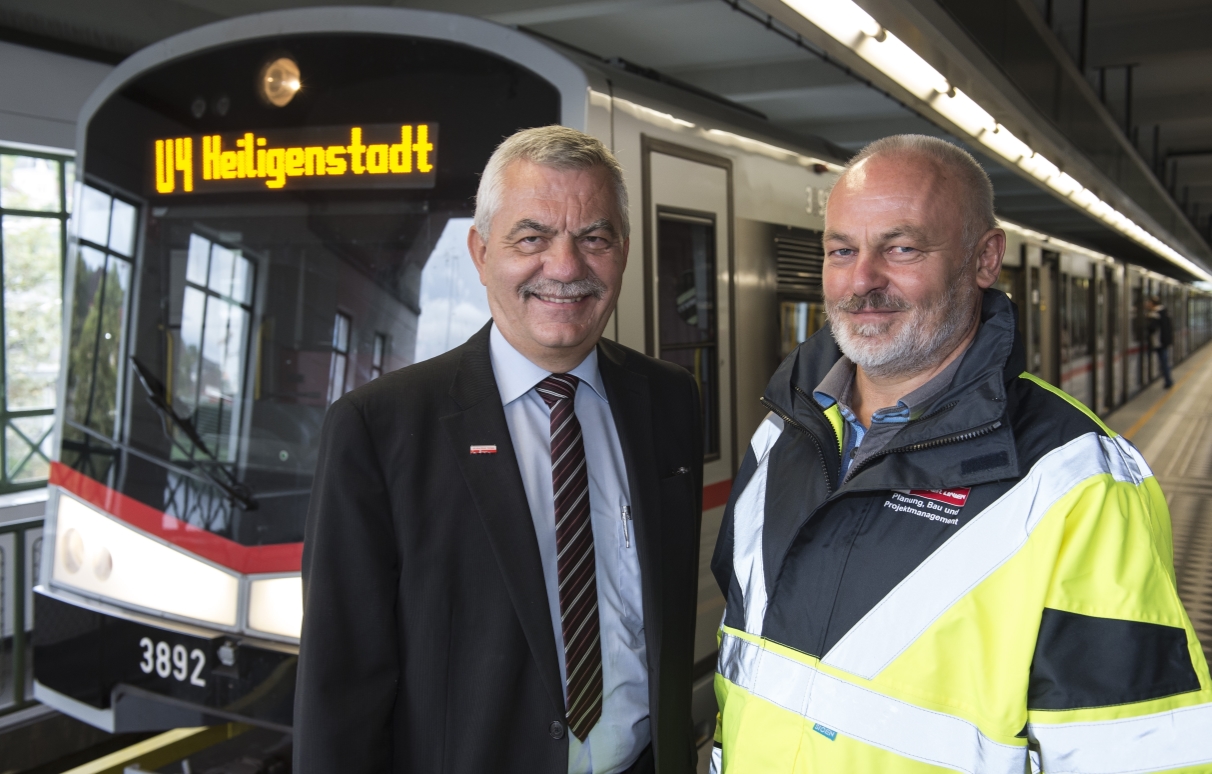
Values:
[(766, 149), (648, 114), (841, 20), (1005, 144), (962, 111), (1064, 184), (275, 606), (854, 28), (106, 558)]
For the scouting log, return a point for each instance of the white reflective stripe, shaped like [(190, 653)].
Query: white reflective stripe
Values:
[(976, 551), (1127, 463), (747, 520), (1166, 740), (878, 720), (717, 760)]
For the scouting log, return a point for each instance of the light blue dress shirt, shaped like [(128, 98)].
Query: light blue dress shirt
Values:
[(624, 729)]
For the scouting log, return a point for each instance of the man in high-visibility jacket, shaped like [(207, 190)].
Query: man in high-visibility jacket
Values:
[(932, 560)]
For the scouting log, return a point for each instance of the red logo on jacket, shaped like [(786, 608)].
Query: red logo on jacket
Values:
[(955, 497)]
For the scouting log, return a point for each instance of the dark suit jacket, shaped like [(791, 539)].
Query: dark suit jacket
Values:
[(428, 644)]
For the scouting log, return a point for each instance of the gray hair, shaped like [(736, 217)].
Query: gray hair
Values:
[(553, 146), (977, 189)]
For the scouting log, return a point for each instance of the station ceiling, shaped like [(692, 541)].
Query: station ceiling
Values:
[(730, 48)]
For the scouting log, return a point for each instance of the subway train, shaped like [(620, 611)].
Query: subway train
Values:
[(272, 210)]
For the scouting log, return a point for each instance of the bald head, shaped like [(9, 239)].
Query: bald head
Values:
[(908, 249), (953, 174)]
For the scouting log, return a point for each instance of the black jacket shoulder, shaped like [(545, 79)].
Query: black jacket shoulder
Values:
[(1043, 418)]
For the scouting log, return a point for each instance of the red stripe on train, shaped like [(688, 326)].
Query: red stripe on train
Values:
[(283, 557), (715, 495)]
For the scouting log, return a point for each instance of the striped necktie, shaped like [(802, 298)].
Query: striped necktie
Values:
[(575, 564)]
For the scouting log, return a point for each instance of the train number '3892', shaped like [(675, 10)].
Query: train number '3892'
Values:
[(172, 661)]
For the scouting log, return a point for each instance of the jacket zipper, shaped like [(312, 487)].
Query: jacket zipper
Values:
[(820, 451), (967, 435)]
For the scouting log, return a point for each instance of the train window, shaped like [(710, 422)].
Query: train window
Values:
[(797, 321), (211, 348), (454, 304), (339, 365), (32, 220), (377, 355), (800, 257), (1037, 358), (97, 329), (686, 280)]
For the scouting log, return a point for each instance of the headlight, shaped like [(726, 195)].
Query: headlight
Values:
[(103, 557), (278, 81), (275, 606)]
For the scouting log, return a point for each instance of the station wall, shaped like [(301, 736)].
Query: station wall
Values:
[(41, 94)]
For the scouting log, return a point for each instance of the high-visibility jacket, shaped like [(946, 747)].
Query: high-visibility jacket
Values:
[(991, 593)]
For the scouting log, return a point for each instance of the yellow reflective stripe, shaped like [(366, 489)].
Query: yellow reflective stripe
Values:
[(978, 549), (863, 714), (1167, 740), (1072, 401), (834, 415)]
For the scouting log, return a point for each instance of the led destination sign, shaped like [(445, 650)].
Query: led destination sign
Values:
[(368, 156)]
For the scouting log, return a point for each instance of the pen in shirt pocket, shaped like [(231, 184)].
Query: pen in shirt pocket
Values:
[(626, 518)]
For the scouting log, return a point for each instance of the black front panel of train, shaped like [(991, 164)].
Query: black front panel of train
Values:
[(96, 659), (243, 309)]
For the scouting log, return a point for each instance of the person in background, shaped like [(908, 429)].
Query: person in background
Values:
[(500, 565), (1161, 336), (933, 560)]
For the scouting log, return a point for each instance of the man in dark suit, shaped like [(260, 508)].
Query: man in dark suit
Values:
[(501, 556)]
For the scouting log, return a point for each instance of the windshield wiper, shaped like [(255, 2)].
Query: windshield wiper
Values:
[(157, 396)]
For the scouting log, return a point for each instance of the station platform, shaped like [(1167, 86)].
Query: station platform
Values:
[(1173, 430)]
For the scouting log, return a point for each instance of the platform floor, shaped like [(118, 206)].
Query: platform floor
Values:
[(1173, 430)]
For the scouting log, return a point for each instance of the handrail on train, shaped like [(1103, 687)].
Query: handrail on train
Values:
[(17, 528)]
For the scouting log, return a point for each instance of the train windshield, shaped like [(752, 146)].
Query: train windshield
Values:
[(262, 228)]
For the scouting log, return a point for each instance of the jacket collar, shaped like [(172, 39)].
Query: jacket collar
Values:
[(975, 401)]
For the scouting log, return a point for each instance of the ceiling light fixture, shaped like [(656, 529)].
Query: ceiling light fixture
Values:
[(854, 28)]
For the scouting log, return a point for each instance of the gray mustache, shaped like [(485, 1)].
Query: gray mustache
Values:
[(590, 286), (875, 300)]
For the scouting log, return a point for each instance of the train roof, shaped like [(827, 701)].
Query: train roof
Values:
[(574, 73)]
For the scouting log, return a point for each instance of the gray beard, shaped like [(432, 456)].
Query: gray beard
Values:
[(918, 345)]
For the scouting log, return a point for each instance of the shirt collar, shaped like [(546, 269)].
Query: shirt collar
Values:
[(517, 376), (835, 387), (838, 383)]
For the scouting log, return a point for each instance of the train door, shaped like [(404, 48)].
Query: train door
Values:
[(1101, 373), (1035, 358), (1080, 351), (1065, 326), (1048, 318), (1135, 363), (1115, 356), (688, 310), (1010, 282), (1150, 367), (1181, 324)]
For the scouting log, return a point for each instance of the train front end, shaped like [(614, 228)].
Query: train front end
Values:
[(265, 219)]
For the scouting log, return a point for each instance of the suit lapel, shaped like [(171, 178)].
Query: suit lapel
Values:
[(631, 408), (496, 486)]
